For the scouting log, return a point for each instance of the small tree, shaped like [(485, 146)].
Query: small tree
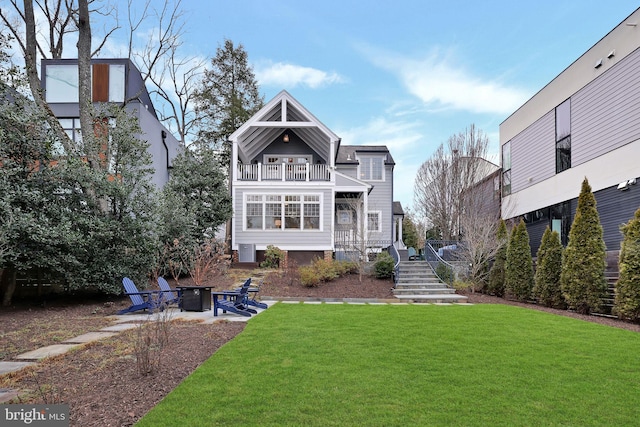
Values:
[(497, 272), (519, 266), (584, 260), (547, 277), (627, 301)]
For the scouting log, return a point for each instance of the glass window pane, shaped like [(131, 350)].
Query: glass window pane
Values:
[(254, 216), (273, 216), (292, 216), (506, 183), (311, 216), (563, 120), (506, 156), (563, 154), (116, 83), (61, 83)]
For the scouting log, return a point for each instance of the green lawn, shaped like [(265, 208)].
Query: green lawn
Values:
[(410, 365)]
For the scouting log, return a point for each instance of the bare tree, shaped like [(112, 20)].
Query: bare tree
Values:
[(442, 180), (175, 83)]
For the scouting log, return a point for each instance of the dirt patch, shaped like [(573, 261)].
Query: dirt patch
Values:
[(101, 381)]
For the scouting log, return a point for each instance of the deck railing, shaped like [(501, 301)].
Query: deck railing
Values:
[(283, 172)]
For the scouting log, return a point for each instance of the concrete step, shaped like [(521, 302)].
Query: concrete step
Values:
[(435, 298), (421, 285), (420, 291), (409, 280)]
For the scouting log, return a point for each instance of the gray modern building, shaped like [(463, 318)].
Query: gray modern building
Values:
[(583, 123), (113, 81)]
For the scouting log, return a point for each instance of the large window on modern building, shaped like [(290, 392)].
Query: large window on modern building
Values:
[(283, 212), (506, 169), (62, 83), (563, 136), (371, 168)]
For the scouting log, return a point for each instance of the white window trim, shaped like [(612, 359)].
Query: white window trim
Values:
[(379, 213), (362, 158), (264, 201)]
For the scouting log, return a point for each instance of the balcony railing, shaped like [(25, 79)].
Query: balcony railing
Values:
[(283, 172)]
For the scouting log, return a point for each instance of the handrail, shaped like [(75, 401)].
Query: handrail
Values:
[(396, 267), (432, 257)]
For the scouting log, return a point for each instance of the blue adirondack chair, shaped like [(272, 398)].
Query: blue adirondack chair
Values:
[(141, 300), (169, 296), (233, 301), (250, 298)]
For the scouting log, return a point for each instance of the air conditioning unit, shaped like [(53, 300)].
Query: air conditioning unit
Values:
[(247, 252)]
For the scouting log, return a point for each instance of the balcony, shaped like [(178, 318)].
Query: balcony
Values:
[(283, 172)]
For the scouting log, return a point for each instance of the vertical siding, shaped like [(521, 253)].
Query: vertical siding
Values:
[(615, 208), (605, 113), (533, 153)]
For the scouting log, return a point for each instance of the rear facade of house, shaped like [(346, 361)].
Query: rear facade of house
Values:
[(296, 187), (584, 123)]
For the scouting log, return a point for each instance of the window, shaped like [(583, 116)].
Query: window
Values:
[(116, 83), (254, 212), (273, 213), (373, 221), (283, 212), (506, 169), (292, 212), (371, 168), (72, 128), (563, 136), (61, 82), (311, 212)]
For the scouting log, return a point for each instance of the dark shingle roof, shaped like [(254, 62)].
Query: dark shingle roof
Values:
[(346, 153), (397, 208)]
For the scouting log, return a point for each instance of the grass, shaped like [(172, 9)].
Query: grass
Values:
[(399, 365)]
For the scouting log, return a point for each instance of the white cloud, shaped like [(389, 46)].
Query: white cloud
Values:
[(290, 75), (441, 82)]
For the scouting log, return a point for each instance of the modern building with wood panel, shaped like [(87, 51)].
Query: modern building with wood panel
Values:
[(115, 81), (584, 123)]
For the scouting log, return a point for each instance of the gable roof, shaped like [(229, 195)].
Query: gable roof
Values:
[(281, 113)]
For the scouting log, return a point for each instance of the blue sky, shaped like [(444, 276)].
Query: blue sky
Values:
[(405, 73)]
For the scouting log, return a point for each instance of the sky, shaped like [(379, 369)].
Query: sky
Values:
[(405, 73)]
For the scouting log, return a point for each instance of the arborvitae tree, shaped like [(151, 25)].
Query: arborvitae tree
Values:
[(584, 260), (496, 275), (547, 277), (519, 266), (627, 301)]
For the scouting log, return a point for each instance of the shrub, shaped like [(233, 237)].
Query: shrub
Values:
[(309, 276), (327, 270), (273, 257), (495, 285), (584, 260), (345, 267), (627, 301), (547, 277), (384, 265), (519, 266)]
